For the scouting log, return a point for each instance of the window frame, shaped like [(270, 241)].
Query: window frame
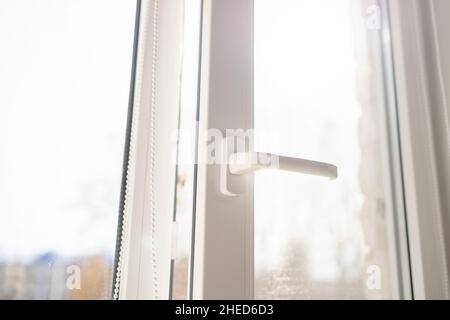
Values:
[(226, 102), (145, 237), (226, 90), (426, 231)]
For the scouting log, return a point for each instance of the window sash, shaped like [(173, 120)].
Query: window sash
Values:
[(145, 232)]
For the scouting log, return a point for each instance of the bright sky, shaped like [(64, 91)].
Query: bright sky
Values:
[(306, 106), (64, 83)]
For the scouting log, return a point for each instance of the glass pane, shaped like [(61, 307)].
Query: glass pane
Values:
[(186, 150), (64, 76), (319, 94)]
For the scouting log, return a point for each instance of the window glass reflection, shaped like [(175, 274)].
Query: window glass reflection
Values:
[(64, 76)]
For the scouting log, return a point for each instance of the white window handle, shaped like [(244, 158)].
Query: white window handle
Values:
[(244, 162), (241, 163)]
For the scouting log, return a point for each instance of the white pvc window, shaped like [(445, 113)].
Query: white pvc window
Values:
[(302, 86), (238, 111), (313, 79), (298, 79)]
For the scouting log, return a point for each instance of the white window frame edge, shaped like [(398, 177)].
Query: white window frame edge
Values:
[(145, 253), (424, 213), (226, 102), (396, 222)]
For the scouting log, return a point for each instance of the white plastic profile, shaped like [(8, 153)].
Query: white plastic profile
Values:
[(244, 162), (146, 239)]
